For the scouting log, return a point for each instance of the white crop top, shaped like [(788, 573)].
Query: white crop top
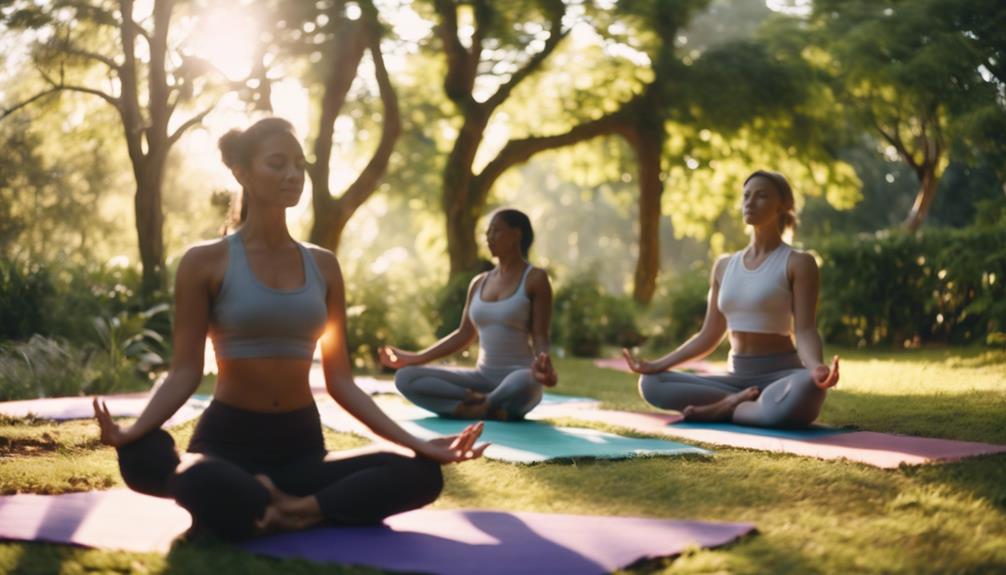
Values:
[(758, 300)]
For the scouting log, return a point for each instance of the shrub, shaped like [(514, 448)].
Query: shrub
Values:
[(42, 367), (944, 285), (24, 296), (378, 314), (126, 351), (679, 309), (585, 318)]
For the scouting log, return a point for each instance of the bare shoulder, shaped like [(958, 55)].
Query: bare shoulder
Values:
[(206, 258), (537, 279), (801, 261), (328, 264), (720, 268)]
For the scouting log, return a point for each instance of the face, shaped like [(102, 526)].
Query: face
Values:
[(502, 238), (276, 175), (762, 202)]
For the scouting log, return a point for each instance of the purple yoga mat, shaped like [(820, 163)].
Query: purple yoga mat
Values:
[(125, 405), (426, 541)]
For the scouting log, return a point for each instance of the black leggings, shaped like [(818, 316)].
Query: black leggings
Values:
[(219, 489)]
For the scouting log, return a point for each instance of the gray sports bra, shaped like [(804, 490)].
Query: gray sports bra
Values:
[(248, 319), (504, 327)]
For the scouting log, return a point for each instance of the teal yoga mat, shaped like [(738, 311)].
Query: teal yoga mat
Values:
[(532, 441), (811, 432)]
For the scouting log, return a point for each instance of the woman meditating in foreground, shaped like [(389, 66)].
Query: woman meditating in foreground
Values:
[(257, 460), (766, 297), (506, 307)]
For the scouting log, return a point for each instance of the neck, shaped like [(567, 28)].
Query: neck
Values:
[(266, 227), (765, 238), (510, 262)]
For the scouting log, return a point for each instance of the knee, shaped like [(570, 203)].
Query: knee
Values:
[(404, 377), (424, 476), (648, 385), (221, 498), (148, 463)]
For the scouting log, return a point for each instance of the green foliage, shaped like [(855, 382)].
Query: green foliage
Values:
[(450, 303), (24, 294), (378, 314), (126, 350), (679, 309), (901, 289), (586, 318), (41, 367)]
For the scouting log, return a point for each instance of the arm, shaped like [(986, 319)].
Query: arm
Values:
[(714, 327), (340, 385), (455, 341), (539, 290), (806, 281), (192, 310)]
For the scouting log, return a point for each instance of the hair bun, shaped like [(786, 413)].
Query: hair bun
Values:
[(231, 145)]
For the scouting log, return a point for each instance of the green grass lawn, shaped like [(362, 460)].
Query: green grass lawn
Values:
[(812, 516)]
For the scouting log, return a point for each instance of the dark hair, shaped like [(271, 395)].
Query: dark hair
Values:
[(238, 147), (518, 219), (788, 218)]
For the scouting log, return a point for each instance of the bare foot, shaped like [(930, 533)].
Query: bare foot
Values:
[(473, 397), (723, 409), (286, 512), (472, 409)]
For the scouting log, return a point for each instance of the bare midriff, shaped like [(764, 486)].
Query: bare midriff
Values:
[(751, 343), (264, 384)]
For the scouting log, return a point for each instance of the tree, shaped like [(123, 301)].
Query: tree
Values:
[(920, 75), (639, 121), (143, 77)]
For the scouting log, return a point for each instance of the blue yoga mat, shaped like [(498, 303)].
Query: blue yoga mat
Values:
[(555, 399), (531, 441), (811, 432)]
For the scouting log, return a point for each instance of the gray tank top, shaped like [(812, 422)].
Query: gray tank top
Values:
[(249, 319), (504, 327)]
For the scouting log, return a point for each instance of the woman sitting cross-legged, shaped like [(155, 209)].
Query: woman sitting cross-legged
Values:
[(766, 297), (257, 460), (509, 308)]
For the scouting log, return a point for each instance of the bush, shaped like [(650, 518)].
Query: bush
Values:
[(42, 367), (24, 296), (585, 318), (127, 351), (445, 313), (940, 285), (679, 309), (377, 315)]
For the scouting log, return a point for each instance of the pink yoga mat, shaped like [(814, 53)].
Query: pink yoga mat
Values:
[(883, 450), (124, 405), (427, 541), (618, 363)]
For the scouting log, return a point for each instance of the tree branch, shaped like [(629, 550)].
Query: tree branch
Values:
[(460, 77), (556, 34), (367, 181), (19, 105), (521, 150), (188, 124)]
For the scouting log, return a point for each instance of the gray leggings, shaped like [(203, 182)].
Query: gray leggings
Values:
[(788, 398), (441, 389)]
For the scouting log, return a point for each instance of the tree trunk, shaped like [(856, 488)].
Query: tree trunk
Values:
[(462, 206), (928, 183), (648, 143), (150, 226)]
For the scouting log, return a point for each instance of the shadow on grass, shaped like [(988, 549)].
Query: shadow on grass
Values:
[(982, 477)]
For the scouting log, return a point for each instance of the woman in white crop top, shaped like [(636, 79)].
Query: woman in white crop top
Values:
[(509, 309), (765, 297)]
